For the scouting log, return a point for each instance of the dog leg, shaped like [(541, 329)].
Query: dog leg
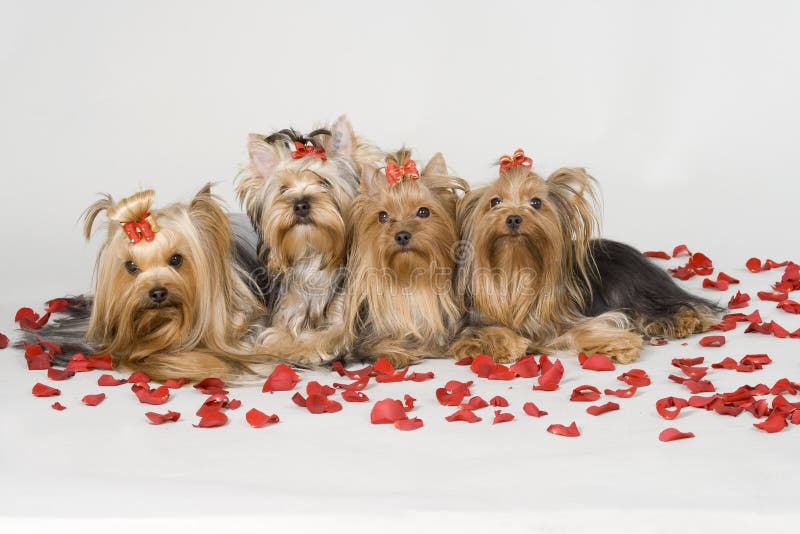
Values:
[(680, 325), (609, 334), (501, 343)]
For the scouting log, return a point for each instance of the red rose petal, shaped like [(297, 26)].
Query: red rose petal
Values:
[(789, 306), (699, 386), (671, 434), (3, 341), (570, 431), (138, 377), (783, 386), (453, 393), (753, 265), (739, 300), (234, 404), (482, 365), (670, 407), (622, 393), (317, 404), (635, 377), (501, 372), (175, 384), (777, 330), (683, 272), (463, 415), (37, 358), (408, 424), (358, 385), (211, 386), (258, 419), (656, 254), (387, 411), (697, 401), (385, 371), (603, 408), (712, 341), (108, 380), (59, 374), (551, 376), (532, 410), (502, 417), (58, 406), (57, 305), (408, 402), (598, 362), (720, 285), (525, 367), (161, 418), (585, 393), (727, 278), (420, 377), (475, 403), (157, 396), (42, 390), (681, 250), (695, 373), (772, 295), (774, 423), (756, 360), (299, 400), (100, 362), (211, 419), (498, 401), (354, 396), (282, 378), (93, 400), (466, 360)]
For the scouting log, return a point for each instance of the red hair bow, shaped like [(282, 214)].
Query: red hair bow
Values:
[(395, 173), (519, 159), (303, 150), (145, 228)]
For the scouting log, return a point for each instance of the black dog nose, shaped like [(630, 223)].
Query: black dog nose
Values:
[(513, 222), (402, 238), (158, 294), (301, 208)]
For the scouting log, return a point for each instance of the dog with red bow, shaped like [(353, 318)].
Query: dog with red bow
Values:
[(298, 192), (400, 300), (534, 279)]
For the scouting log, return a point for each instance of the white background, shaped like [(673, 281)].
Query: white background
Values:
[(686, 112)]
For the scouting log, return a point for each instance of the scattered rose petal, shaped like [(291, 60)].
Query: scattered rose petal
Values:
[(466, 360), (753, 265), (482, 365), (282, 378), (681, 250), (670, 407), (671, 434), (739, 300), (420, 377), (42, 390), (358, 385), (138, 377), (585, 394), (408, 424), (37, 358), (712, 341), (175, 384), (498, 401), (58, 406), (157, 396), (783, 386), (502, 417), (622, 393), (108, 380), (596, 362), (551, 375), (211, 419), (408, 402), (533, 410), (258, 419), (525, 367), (233, 404), (603, 408), (772, 295), (354, 396), (385, 371), (161, 418), (453, 393), (656, 254), (59, 374), (774, 423), (475, 403), (699, 386), (387, 411), (3, 341), (789, 306), (570, 431), (93, 400), (317, 404), (635, 377), (463, 415), (100, 362), (210, 386)]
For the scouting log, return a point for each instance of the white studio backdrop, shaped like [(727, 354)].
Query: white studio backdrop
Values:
[(684, 111)]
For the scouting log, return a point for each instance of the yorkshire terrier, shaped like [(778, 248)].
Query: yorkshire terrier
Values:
[(298, 191), (400, 303), (173, 293), (536, 280)]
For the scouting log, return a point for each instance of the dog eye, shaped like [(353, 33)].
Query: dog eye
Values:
[(283, 189), (325, 183), (536, 203), (175, 260), (423, 213), (131, 267), (383, 217), (495, 201)]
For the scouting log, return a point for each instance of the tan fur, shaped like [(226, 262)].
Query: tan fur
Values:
[(533, 282), (400, 301), (203, 328), (306, 259)]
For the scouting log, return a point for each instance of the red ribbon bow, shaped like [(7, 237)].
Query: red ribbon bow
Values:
[(308, 150), (395, 173), (145, 228), (519, 159)]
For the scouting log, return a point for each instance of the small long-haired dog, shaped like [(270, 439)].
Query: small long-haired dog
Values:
[(298, 191), (401, 263), (536, 280), (173, 296)]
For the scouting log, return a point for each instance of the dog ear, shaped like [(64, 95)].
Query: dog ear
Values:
[(373, 181), (92, 212), (435, 167), (573, 192), (263, 155), (212, 222), (465, 209), (343, 139)]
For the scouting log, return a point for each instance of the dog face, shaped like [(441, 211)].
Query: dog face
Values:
[(300, 201), (529, 240)]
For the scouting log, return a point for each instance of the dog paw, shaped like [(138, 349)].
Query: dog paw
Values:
[(624, 349)]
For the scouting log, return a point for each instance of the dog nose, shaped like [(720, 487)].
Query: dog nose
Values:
[(402, 238), (513, 222), (301, 208), (158, 294)]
